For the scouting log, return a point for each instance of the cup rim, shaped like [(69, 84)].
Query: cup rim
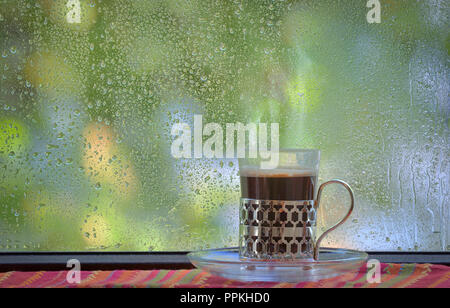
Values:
[(314, 153)]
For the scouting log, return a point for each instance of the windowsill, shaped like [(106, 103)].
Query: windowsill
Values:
[(54, 261)]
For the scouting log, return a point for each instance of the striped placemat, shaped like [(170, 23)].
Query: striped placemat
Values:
[(392, 276)]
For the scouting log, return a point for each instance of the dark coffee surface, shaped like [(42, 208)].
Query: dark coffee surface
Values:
[(278, 187)]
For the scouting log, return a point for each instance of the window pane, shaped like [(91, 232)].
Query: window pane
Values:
[(90, 91)]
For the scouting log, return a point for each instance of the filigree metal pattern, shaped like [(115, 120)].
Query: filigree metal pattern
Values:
[(271, 229)]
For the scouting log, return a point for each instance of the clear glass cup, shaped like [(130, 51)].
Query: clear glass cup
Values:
[(278, 207)]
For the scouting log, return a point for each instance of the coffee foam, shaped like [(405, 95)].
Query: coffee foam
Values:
[(278, 172)]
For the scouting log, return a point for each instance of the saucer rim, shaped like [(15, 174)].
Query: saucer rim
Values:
[(358, 257)]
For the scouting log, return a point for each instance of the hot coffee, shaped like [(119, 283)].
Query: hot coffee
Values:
[(278, 184)]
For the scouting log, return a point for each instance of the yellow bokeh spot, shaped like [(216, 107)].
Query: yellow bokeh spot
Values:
[(14, 137), (96, 231), (104, 162), (49, 72), (304, 90), (38, 205)]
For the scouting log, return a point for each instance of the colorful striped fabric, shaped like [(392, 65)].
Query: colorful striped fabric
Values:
[(392, 276)]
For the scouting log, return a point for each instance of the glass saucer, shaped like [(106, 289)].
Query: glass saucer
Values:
[(226, 263)]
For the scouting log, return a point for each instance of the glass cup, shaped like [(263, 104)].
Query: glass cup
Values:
[(278, 208)]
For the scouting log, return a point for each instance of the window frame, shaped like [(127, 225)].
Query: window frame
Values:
[(54, 260)]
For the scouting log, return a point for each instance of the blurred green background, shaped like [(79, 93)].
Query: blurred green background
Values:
[(89, 91)]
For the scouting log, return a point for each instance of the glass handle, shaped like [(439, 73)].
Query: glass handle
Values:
[(352, 205)]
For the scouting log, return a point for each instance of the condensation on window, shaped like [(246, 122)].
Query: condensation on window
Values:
[(90, 89)]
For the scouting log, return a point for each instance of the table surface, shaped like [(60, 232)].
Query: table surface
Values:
[(392, 276)]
